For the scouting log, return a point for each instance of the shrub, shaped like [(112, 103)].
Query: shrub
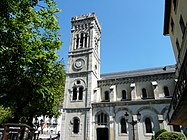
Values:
[(171, 136), (159, 132)]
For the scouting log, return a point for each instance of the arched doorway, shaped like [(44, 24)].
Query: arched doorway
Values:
[(102, 134)]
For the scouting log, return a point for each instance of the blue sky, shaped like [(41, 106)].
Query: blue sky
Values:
[(132, 32)]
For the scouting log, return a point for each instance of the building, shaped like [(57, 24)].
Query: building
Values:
[(114, 106), (175, 22)]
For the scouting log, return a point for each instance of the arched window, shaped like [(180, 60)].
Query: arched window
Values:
[(107, 97), (81, 40), (148, 125), (76, 123), (123, 126), (124, 95), (77, 93), (102, 119), (77, 41), (166, 91), (74, 93), (144, 93), (86, 37), (80, 93)]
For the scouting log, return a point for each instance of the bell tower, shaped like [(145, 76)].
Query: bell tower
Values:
[(82, 75)]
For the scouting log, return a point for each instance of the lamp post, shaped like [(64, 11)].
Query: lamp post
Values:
[(133, 122)]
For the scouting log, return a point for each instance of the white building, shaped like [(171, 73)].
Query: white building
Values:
[(95, 105), (175, 25)]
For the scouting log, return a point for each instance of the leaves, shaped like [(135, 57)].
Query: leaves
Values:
[(5, 114), (171, 136), (163, 134), (32, 80)]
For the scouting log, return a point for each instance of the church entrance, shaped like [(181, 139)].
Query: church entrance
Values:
[(102, 134)]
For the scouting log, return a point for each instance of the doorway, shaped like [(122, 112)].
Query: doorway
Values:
[(102, 134)]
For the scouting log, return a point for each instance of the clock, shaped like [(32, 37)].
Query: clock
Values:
[(79, 63)]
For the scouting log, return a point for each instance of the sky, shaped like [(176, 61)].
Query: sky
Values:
[(131, 35)]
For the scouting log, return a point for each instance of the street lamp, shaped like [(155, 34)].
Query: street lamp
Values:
[(133, 122)]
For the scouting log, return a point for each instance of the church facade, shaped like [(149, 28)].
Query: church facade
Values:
[(115, 106)]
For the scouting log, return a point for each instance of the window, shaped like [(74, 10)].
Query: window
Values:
[(102, 119), (124, 94), (76, 123), (78, 81), (80, 93), (81, 40), (144, 93), (123, 126), (172, 26), (178, 46), (77, 93), (148, 125), (182, 25), (107, 98), (77, 41), (175, 5), (86, 37), (166, 91), (74, 93)]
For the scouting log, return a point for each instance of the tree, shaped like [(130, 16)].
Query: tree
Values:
[(5, 114), (158, 133), (163, 134), (171, 136), (32, 81)]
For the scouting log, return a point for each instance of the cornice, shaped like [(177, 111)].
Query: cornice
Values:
[(73, 110), (79, 73), (132, 102), (127, 80), (80, 52)]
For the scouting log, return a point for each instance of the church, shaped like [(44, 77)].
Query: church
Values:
[(115, 106)]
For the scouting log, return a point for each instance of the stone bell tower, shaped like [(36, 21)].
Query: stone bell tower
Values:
[(81, 79)]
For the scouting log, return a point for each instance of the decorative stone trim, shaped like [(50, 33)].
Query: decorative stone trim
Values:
[(75, 110), (132, 102), (127, 80)]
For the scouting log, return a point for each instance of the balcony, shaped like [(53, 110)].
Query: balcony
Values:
[(177, 114)]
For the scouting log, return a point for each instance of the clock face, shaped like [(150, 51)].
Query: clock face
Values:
[(79, 63)]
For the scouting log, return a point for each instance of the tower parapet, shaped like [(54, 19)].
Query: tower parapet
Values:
[(90, 17)]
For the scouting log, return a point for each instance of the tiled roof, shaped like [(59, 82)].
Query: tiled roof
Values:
[(137, 73)]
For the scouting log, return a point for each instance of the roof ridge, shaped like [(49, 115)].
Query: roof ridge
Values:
[(139, 70)]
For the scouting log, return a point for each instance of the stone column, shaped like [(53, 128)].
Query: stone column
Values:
[(160, 120), (111, 129), (136, 127), (75, 43), (78, 46), (87, 43)]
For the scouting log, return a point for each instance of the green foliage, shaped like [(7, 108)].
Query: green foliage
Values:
[(5, 114), (158, 133), (171, 136), (32, 81)]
